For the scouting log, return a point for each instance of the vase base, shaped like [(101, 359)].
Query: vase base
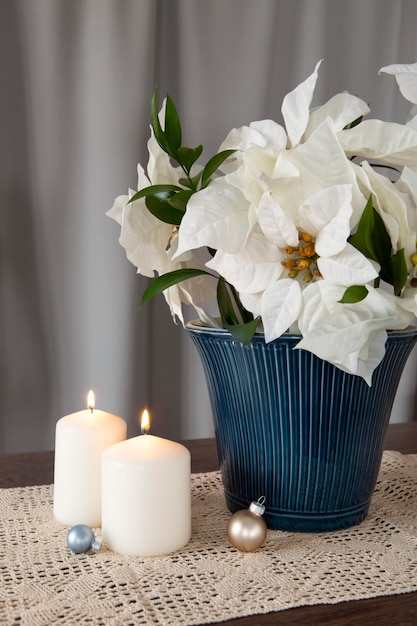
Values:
[(306, 521)]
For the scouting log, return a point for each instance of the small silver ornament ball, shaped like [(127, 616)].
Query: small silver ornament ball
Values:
[(81, 539), (246, 529)]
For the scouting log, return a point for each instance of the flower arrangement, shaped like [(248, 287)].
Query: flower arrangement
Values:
[(308, 228)]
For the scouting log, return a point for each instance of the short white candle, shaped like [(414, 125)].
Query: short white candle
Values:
[(80, 440), (146, 497)]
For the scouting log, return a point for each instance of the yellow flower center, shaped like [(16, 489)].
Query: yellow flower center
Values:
[(302, 258)]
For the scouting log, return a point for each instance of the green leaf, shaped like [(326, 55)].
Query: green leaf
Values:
[(227, 311), (159, 284), (153, 190), (354, 123), (185, 182), (173, 132), (179, 200), (353, 294), (243, 332), (213, 164), (362, 240), (245, 315), (382, 247), (161, 208), (373, 240), (188, 156), (399, 271), (156, 126), (191, 183), (158, 202)]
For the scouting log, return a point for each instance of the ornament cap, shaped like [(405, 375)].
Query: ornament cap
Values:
[(258, 507), (247, 529), (96, 544)]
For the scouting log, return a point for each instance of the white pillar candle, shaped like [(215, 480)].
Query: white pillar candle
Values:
[(146, 496), (80, 440)]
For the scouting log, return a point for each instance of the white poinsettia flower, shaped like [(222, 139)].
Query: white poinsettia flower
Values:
[(279, 213), (351, 336), (388, 142), (142, 235), (342, 109), (199, 292), (406, 77), (180, 294), (296, 107), (408, 301), (364, 361), (160, 169), (150, 244), (145, 238), (253, 268), (412, 118), (258, 146), (325, 216), (264, 163), (116, 212), (348, 267), (277, 226), (407, 185), (320, 163), (265, 134), (252, 302), (293, 175), (218, 217), (281, 305), (315, 242)]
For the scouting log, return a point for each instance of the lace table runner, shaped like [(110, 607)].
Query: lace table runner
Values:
[(42, 583)]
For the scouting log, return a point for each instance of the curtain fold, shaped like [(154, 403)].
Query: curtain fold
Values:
[(77, 79)]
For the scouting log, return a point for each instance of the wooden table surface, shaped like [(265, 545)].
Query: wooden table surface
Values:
[(36, 468)]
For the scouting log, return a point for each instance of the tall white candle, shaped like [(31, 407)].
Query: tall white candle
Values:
[(146, 496), (80, 439)]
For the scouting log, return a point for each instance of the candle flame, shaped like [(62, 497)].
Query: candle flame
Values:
[(91, 401), (145, 422)]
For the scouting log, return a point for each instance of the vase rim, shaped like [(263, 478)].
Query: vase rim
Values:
[(201, 327)]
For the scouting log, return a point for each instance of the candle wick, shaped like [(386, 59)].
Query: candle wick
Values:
[(91, 409)]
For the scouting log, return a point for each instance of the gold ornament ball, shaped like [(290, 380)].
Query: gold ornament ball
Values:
[(246, 530)]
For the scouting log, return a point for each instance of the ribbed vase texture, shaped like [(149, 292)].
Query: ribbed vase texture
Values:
[(296, 429)]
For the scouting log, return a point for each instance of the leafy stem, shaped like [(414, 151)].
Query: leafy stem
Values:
[(170, 140), (168, 203)]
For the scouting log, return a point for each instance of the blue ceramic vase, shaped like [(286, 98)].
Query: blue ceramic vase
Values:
[(296, 429)]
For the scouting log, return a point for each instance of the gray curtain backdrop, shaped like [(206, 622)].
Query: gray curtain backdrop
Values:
[(76, 83)]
